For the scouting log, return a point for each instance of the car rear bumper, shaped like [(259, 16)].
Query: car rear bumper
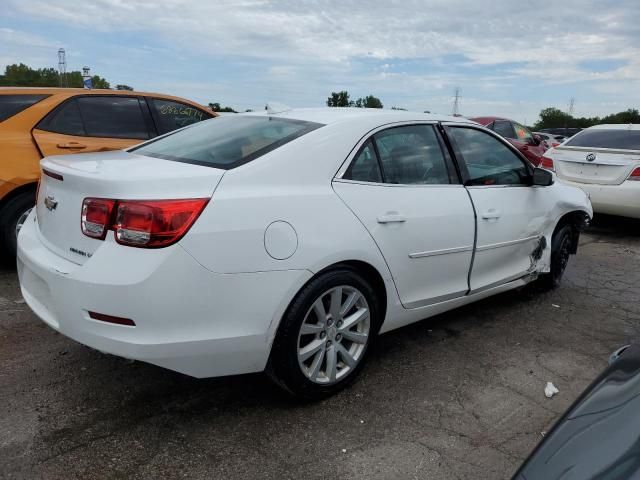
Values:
[(188, 319), (623, 199)]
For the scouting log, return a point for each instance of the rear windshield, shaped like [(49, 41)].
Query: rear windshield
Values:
[(618, 139), (226, 142), (12, 104)]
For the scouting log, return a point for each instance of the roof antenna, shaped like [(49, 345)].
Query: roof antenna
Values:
[(275, 107)]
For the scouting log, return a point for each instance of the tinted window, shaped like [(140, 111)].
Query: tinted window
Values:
[(411, 155), (114, 117), (503, 129), (170, 115), (488, 160), (365, 167), (64, 119), (596, 138), (228, 141), (523, 134), (12, 104)]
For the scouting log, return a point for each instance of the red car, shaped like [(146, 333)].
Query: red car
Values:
[(519, 135)]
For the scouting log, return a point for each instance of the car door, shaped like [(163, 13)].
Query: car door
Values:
[(402, 185), (510, 211), (170, 115), (94, 123)]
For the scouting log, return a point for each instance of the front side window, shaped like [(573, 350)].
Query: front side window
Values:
[(488, 160), (13, 104), (365, 167), (621, 139), (227, 142), (523, 134), (113, 117), (170, 115), (412, 155)]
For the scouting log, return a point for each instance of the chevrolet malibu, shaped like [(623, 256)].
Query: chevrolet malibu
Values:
[(287, 241)]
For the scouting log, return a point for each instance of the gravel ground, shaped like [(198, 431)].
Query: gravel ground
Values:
[(459, 396)]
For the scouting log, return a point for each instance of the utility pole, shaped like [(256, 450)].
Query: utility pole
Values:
[(62, 68), (456, 102), (572, 104)]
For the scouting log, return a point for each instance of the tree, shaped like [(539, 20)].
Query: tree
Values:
[(24, 76), (398, 108), (339, 99), (368, 102), (217, 108), (124, 87), (556, 118)]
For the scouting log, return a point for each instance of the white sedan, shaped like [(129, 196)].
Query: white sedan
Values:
[(287, 241), (605, 162)]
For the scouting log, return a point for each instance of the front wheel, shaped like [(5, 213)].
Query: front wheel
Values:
[(12, 217), (560, 251), (325, 335)]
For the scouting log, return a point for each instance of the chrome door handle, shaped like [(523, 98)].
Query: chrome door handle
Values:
[(491, 213), (391, 217)]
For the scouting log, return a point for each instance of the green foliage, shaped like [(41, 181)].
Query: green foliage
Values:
[(398, 108), (339, 99), (24, 76), (556, 118), (217, 108), (124, 87)]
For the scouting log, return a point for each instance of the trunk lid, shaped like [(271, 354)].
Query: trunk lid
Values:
[(115, 175), (599, 166)]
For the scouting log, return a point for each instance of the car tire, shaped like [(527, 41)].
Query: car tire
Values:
[(10, 215), (319, 349), (560, 252)]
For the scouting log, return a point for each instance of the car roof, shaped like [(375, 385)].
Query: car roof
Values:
[(616, 126), (488, 120), (69, 92), (332, 115)]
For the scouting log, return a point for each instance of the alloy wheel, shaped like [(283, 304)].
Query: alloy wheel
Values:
[(334, 335)]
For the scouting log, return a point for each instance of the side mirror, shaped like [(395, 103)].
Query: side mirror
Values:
[(542, 177)]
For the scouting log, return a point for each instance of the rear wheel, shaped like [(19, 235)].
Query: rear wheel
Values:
[(325, 335), (12, 217), (560, 252)]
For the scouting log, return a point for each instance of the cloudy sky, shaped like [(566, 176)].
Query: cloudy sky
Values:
[(509, 58)]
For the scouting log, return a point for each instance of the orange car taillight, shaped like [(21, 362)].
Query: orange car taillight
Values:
[(547, 163), (635, 175), (141, 223)]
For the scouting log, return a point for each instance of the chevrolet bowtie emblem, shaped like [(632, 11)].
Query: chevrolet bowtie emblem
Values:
[(50, 203)]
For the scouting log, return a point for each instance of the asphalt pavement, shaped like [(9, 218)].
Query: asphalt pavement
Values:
[(459, 396)]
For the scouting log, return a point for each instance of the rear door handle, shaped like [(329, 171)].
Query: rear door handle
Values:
[(391, 217), (72, 145), (491, 213)]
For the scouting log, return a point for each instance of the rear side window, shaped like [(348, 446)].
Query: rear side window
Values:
[(65, 119), (113, 117), (228, 141), (617, 139), (412, 155), (504, 129), (365, 167), (12, 104), (170, 115)]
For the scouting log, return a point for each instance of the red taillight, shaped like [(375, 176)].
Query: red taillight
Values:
[(96, 217), (141, 223), (635, 175), (547, 163)]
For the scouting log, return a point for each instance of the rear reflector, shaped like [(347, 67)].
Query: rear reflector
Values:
[(55, 175), (111, 319), (141, 223), (547, 163), (635, 175)]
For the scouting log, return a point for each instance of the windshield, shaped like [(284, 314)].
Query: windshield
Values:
[(226, 142), (617, 139)]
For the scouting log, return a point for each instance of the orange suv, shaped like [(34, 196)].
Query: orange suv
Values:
[(38, 122)]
